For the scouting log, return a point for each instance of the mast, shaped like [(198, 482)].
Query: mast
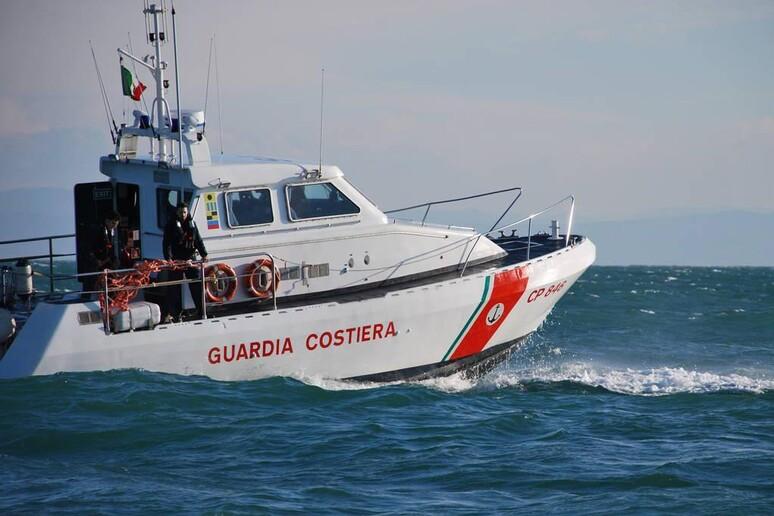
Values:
[(156, 37), (158, 126), (155, 22)]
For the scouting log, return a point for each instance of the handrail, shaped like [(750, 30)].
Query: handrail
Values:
[(201, 263), (530, 217), (35, 257), (529, 230), (458, 199), (36, 239), (50, 254)]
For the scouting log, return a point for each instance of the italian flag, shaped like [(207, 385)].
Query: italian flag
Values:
[(131, 89)]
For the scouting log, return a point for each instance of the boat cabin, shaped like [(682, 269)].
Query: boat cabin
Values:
[(307, 222)]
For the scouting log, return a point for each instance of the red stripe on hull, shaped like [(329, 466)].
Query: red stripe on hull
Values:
[(508, 288)]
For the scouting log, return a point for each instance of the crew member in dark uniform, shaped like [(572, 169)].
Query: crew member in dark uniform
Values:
[(181, 241), (102, 250)]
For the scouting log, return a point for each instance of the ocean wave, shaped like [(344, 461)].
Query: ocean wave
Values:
[(651, 382), (330, 384), (661, 381)]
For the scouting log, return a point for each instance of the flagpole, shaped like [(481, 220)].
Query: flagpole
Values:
[(177, 93)]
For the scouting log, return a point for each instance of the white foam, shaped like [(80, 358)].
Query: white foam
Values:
[(648, 382), (330, 384), (453, 383), (652, 382)]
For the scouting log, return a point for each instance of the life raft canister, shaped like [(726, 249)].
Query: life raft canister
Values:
[(258, 278), (220, 283)]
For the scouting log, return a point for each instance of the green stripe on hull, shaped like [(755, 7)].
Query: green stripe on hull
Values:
[(470, 320)]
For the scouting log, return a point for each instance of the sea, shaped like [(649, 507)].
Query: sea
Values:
[(648, 390)]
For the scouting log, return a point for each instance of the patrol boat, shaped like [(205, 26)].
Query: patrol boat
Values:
[(305, 277)]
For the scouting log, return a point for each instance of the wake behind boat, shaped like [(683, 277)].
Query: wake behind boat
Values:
[(304, 276)]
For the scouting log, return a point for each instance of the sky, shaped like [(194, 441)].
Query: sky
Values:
[(639, 109)]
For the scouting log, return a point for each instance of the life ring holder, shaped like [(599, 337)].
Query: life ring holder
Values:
[(220, 282), (254, 275)]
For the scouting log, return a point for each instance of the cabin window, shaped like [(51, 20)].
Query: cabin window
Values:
[(318, 200), (166, 204), (249, 207)]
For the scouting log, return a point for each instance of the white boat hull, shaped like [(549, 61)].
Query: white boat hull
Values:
[(416, 330)]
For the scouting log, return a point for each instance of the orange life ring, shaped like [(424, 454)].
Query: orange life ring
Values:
[(220, 283), (255, 282)]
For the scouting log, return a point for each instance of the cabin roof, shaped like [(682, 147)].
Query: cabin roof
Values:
[(234, 171), (249, 171)]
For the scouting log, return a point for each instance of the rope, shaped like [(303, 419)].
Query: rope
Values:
[(124, 286)]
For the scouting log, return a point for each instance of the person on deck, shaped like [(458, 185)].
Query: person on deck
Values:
[(181, 242), (102, 250)]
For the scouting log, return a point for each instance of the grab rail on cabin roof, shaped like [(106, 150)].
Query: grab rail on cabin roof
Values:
[(458, 199), (528, 219)]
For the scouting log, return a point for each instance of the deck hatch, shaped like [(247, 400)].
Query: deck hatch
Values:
[(289, 273), (89, 317), (318, 270)]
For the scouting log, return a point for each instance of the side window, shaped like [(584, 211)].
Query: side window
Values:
[(166, 204), (318, 200), (249, 207)]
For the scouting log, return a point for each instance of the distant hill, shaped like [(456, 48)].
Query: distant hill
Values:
[(720, 239)]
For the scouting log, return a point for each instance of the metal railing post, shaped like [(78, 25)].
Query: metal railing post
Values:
[(529, 237), (426, 212), (107, 304), (273, 281), (204, 290), (569, 222), (50, 265), (465, 266)]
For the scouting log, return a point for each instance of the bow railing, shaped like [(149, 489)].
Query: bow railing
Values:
[(429, 205), (528, 220)]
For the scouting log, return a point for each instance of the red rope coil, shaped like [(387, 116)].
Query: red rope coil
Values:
[(127, 284)]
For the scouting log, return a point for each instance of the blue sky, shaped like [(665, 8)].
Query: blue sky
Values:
[(641, 109)]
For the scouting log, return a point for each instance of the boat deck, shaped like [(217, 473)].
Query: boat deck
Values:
[(516, 247)]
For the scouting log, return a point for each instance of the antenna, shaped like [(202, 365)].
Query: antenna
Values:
[(207, 85), (146, 8), (105, 101), (177, 93), (217, 87), (164, 31), (322, 98)]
